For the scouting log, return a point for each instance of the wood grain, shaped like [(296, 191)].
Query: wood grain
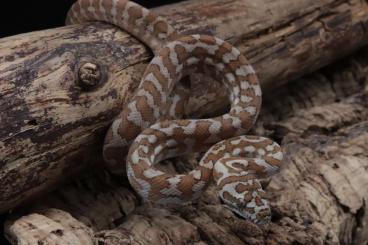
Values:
[(51, 128)]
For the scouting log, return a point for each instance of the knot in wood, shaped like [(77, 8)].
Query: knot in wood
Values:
[(89, 75)]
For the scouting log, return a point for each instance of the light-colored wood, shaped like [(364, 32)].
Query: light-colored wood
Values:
[(319, 197)]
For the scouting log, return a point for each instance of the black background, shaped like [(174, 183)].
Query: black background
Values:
[(31, 15)]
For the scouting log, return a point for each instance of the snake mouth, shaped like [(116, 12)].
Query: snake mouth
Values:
[(259, 215)]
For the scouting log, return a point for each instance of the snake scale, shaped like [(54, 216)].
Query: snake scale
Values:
[(150, 130)]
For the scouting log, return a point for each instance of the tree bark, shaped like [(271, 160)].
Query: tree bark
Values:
[(319, 197), (52, 125)]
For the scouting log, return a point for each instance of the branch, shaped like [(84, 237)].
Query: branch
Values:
[(53, 122), (319, 197)]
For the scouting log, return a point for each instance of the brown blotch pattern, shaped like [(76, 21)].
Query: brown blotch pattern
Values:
[(174, 137)]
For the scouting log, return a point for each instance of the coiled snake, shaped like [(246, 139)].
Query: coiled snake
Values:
[(149, 122)]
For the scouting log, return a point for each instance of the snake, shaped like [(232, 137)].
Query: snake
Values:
[(151, 127)]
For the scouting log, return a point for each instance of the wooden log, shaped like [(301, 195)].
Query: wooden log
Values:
[(319, 197), (53, 122)]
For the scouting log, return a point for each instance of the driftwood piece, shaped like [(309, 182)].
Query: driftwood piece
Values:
[(319, 197), (51, 127)]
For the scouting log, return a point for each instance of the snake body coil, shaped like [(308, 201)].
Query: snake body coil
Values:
[(236, 164)]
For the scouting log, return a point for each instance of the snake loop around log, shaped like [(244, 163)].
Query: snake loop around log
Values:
[(236, 162)]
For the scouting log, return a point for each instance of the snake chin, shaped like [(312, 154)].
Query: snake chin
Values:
[(247, 211)]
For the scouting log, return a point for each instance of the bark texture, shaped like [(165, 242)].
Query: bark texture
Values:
[(319, 197), (52, 126), (53, 122)]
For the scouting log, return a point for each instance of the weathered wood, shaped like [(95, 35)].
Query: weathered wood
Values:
[(319, 197), (50, 128)]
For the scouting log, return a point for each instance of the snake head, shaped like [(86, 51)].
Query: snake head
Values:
[(242, 193), (248, 204), (257, 211)]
